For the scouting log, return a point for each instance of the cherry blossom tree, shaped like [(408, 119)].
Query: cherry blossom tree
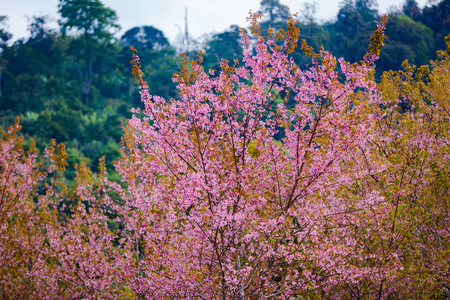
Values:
[(220, 208), (44, 253)]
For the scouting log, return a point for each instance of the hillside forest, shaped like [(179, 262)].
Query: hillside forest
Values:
[(74, 85)]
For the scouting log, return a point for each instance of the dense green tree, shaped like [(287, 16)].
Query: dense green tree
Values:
[(368, 10), (349, 34), (437, 17), (159, 72), (310, 31), (225, 45), (93, 50), (406, 40), (274, 14), (33, 70), (4, 38), (411, 9), (38, 27), (145, 37), (158, 60), (88, 17)]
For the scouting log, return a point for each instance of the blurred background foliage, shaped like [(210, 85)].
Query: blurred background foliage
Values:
[(74, 84)]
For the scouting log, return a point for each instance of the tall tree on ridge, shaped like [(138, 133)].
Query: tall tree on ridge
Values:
[(274, 14), (353, 27), (4, 37), (95, 24), (157, 57)]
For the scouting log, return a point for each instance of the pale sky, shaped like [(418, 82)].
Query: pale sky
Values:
[(204, 16)]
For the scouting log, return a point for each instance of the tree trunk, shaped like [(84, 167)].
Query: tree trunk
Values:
[(86, 82), (1, 82)]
